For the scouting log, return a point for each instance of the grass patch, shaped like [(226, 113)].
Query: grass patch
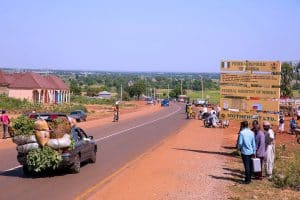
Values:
[(214, 95), (91, 100)]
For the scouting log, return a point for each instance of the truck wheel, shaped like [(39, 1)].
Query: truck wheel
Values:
[(298, 140), (93, 157), (26, 171), (76, 165)]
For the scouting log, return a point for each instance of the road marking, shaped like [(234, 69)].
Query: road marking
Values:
[(116, 133), (140, 125)]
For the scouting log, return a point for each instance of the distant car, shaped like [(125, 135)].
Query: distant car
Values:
[(149, 100), (85, 150), (165, 102), (78, 115), (200, 102)]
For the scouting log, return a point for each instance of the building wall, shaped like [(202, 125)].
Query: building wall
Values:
[(3, 90), (21, 94)]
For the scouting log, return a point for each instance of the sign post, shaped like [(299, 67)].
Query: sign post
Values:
[(250, 90)]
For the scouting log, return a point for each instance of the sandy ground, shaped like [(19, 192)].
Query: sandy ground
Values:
[(139, 109), (185, 166)]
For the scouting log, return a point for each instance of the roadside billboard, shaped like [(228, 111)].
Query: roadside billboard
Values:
[(250, 90)]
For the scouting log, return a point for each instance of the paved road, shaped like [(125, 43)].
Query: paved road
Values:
[(119, 143)]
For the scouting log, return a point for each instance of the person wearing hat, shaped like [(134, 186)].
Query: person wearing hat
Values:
[(247, 147), (270, 149), (5, 123)]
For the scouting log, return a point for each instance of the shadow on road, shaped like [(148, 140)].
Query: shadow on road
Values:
[(226, 178), (230, 154), (19, 173), (229, 147), (234, 170), (13, 173)]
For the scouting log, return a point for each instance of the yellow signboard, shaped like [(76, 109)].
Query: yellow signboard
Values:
[(250, 116), (259, 79), (252, 104), (234, 65), (250, 90)]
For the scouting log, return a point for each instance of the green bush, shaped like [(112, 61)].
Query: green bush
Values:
[(23, 125), (67, 108), (43, 158), (90, 100), (287, 170), (18, 105)]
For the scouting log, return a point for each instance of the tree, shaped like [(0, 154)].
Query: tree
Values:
[(176, 91), (93, 91), (286, 80), (75, 88), (137, 89)]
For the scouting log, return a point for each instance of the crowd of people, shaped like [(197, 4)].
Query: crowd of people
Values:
[(257, 143)]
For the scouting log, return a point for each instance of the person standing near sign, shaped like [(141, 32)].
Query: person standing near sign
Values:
[(246, 144), (260, 146), (281, 124), (270, 149)]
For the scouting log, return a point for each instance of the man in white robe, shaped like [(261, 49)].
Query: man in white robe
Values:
[(270, 149)]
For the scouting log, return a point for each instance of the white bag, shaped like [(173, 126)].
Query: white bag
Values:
[(63, 142), (27, 147), (256, 164), (24, 139)]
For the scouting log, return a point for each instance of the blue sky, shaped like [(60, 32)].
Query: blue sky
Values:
[(156, 35)]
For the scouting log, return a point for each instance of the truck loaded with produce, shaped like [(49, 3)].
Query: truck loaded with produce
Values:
[(51, 141)]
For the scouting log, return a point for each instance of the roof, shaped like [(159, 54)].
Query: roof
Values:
[(57, 82), (3, 80), (32, 80), (104, 93)]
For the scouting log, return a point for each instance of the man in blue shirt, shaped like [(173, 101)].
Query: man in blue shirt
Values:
[(246, 144)]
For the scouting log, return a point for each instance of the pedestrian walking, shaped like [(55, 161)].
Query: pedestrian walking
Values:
[(260, 146), (116, 112), (246, 145), (270, 149), (190, 111), (5, 123)]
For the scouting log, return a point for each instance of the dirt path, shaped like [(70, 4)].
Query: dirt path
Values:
[(187, 165)]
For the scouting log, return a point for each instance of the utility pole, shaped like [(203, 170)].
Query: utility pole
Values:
[(201, 87), (121, 92), (181, 86), (168, 91)]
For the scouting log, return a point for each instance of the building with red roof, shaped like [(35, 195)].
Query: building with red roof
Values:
[(34, 87)]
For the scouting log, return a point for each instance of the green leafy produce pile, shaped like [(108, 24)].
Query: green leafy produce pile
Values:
[(43, 158), (72, 145), (23, 126)]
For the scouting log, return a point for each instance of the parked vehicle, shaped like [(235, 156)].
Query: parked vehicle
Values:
[(85, 150), (78, 115), (165, 102), (149, 100), (200, 102), (46, 116)]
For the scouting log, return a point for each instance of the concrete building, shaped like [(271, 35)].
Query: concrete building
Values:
[(34, 87)]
